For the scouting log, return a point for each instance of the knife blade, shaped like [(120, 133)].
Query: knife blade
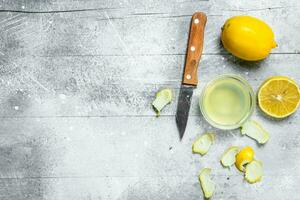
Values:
[(190, 72)]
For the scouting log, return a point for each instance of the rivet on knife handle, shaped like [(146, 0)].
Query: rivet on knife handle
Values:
[(194, 50)]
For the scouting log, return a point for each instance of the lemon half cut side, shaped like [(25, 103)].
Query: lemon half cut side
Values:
[(279, 96)]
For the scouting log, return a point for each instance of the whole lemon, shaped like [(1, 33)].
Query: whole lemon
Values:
[(247, 38)]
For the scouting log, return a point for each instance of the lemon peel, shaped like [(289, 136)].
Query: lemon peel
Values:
[(228, 157), (253, 171), (255, 131), (207, 185), (163, 98), (245, 156), (202, 144)]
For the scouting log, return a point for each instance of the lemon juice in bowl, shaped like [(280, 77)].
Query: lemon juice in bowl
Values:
[(227, 101)]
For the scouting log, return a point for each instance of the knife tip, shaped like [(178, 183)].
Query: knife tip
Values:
[(180, 137), (181, 131)]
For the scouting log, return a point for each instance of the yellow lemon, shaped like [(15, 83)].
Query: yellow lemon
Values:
[(245, 156), (247, 38), (279, 96)]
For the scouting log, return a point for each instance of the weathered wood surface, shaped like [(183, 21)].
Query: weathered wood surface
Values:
[(59, 155), (106, 86), (87, 33), (77, 79)]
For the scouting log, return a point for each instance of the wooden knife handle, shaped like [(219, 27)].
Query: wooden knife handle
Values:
[(194, 50)]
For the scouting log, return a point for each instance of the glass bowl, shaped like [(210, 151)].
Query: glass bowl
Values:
[(227, 102)]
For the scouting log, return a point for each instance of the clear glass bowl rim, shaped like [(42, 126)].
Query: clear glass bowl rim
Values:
[(245, 118)]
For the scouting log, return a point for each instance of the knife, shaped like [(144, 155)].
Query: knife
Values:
[(190, 73)]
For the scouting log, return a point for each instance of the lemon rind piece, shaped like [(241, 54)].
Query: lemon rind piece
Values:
[(203, 143), (241, 166), (228, 157), (255, 131), (163, 98), (207, 185), (253, 171)]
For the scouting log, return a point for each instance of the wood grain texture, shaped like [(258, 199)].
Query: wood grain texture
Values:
[(77, 79), (194, 49), (59, 155), (113, 86), (88, 33)]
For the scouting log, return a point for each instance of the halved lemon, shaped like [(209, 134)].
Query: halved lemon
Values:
[(245, 156), (279, 96)]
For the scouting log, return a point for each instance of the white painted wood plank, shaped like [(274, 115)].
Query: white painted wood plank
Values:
[(132, 188), (107, 59), (132, 147), (132, 158), (112, 33), (151, 6), (105, 86)]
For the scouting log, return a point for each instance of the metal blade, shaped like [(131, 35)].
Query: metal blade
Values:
[(183, 108)]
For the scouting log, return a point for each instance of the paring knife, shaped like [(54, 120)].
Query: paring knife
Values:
[(190, 74)]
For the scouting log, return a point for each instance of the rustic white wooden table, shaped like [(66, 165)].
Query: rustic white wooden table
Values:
[(77, 79)]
